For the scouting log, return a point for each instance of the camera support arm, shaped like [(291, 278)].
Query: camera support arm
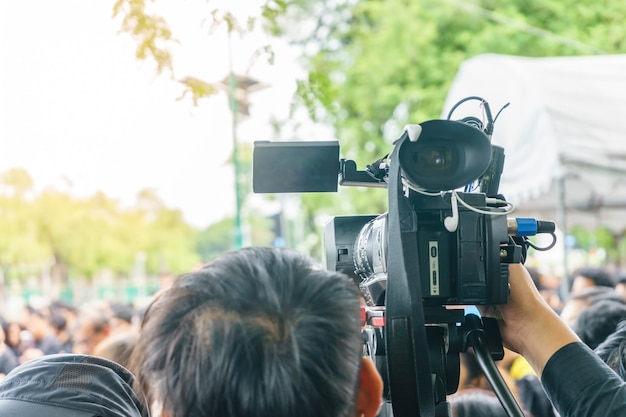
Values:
[(476, 337)]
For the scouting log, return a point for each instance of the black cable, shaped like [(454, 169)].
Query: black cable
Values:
[(500, 111), (463, 101), (535, 247), (489, 127)]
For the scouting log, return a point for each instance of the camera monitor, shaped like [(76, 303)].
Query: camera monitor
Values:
[(288, 167)]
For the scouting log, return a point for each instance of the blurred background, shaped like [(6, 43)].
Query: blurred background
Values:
[(127, 126)]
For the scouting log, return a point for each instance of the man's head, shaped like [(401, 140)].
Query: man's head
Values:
[(38, 323), (591, 277), (578, 301), (598, 321), (91, 328), (613, 350), (121, 318), (620, 286), (257, 332)]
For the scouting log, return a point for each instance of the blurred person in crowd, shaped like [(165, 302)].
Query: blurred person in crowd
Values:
[(117, 347), (91, 328), (476, 402), (613, 350), (523, 383), (528, 389), (595, 323), (582, 299), (550, 294), (13, 337), (471, 375), (45, 341), (68, 385), (257, 332), (165, 280), (61, 331), (588, 276), (121, 320), (620, 285), (68, 314), (8, 359)]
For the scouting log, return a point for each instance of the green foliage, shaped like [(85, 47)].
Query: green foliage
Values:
[(272, 10), (602, 237), (171, 244), (215, 239), (154, 37), (219, 237), (196, 88), (150, 31), (397, 52), (89, 235)]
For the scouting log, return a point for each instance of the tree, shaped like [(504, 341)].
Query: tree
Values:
[(16, 182), (21, 246), (154, 37), (218, 237), (83, 237)]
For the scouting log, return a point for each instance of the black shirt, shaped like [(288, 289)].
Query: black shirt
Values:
[(579, 384)]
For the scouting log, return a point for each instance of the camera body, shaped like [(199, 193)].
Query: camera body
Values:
[(463, 250), (466, 267)]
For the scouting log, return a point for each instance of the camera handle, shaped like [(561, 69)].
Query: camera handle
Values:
[(408, 364), (477, 338)]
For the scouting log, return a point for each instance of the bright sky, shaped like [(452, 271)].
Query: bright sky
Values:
[(75, 103)]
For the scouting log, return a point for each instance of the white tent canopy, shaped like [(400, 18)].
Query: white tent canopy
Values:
[(564, 133)]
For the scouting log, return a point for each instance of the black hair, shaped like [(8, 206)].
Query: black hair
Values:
[(598, 321), (621, 278), (535, 276), (613, 350), (472, 367), (256, 332), (58, 321), (476, 402), (122, 311), (599, 276)]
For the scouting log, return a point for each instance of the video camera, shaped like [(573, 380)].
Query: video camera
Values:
[(436, 247)]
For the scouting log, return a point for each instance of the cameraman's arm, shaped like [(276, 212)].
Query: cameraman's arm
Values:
[(576, 380)]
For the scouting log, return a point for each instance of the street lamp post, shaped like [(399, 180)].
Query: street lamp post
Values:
[(232, 85), (238, 88)]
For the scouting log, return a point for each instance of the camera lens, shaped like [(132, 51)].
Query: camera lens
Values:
[(435, 158)]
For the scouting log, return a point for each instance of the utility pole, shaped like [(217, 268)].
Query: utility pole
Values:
[(238, 88), (234, 109)]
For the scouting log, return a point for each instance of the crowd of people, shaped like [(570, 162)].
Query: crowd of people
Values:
[(261, 331), (102, 328)]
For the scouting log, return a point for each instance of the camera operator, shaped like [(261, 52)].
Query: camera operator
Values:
[(578, 383)]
